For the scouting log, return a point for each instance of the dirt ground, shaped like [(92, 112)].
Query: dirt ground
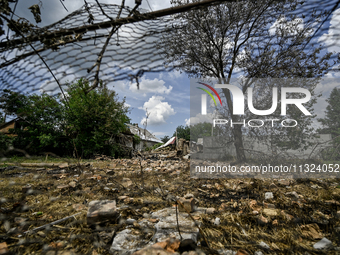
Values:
[(300, 213)]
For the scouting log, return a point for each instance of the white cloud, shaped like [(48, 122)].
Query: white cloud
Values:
[(150, 86), (199, 118), (159, 111), (331, 39)]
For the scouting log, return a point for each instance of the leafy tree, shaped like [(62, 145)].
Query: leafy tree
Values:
[(220, 41), (40, 120), (88, 121), (182, 132), (94, 119), (165, 138), (200, 130), (331, 121), (331, 124)]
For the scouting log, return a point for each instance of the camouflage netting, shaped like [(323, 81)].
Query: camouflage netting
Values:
[(72, 49), (104, 42)]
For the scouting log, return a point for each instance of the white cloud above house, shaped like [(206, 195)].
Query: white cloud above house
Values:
[(150, 86), (159, 111)]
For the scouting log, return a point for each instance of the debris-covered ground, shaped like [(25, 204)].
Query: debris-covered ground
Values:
[(119, 206)]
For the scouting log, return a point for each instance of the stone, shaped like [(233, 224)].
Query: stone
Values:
[(293, 194), (264, 245), (126, 182), (311, 231), (26, 188), (101, 211), (242, 252), (287, 216), (189, 205), (270, 212), (4, 248), (210, 210), (170, 244), (268, 195), (130, 221), (72, 184), (262, 220), (187, 196), (217, 221), (63, 187), (323, 244), (284, 182)]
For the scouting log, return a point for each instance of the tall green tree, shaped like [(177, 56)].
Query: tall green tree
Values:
[(182, 132), (222, 41), (41, 120), (94, 118), (331, 121)]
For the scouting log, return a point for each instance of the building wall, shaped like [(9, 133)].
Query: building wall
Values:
[(6, 128), (215, 148)]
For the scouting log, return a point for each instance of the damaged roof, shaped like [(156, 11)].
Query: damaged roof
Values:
[(141, 131)]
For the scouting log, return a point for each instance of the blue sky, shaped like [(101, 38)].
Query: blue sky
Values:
[(164, 95)]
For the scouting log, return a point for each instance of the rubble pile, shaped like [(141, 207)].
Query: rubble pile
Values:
[(151, 205)]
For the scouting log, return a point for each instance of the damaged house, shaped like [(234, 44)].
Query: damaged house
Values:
[(146, 138)]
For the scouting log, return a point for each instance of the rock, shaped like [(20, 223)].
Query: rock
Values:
[(130, 221), (264, 245), (323, 244), (4, 248), (170, 244), (262, 220), (187, 196), (167, 225), (26, 188), (210, 210), (284, 182), (102, 211), (72, 184), (126, 241), (268, 195), (242, 252), (189, 205), (287, 216), (217, 221), (311, 231), (270, 212), (126, 182), (293, 194), (63, 187)]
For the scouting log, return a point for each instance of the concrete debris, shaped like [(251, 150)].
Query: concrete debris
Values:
[(189, 205), (101, 211), (323, 244), (268, 195)]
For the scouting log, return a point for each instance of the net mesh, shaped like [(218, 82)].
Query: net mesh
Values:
[(129, 53), (104, 42)]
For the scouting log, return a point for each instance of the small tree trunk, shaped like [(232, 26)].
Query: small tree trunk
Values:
[(238, 142)]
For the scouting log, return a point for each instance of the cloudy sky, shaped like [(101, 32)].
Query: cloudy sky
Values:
[(165, 96)]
